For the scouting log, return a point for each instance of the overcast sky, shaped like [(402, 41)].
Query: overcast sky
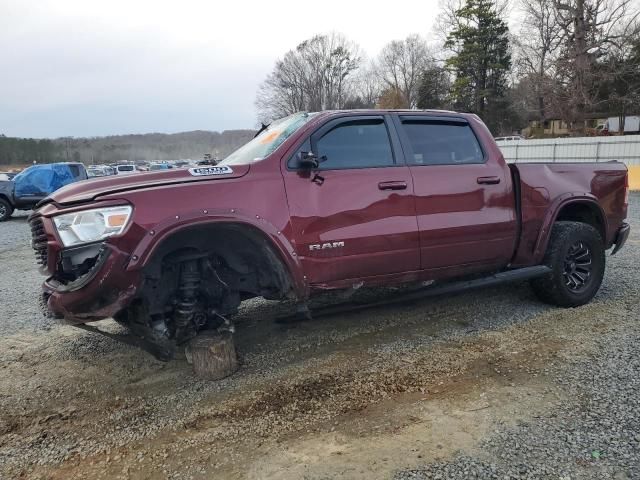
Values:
[(93, 68)]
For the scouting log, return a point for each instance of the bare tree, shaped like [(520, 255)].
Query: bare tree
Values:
[(401, 63), (620, 79), (365, 87), (392, 97), (448, 19), (314, 76), (536, 50), (591, 30)]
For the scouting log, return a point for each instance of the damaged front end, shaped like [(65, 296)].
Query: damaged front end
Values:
[(195, 280), (185, 296), (85, 283)]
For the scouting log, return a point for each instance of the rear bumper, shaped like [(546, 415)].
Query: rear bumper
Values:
[(621, 237)]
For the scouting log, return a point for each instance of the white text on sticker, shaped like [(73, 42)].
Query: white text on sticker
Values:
[(199, 171)]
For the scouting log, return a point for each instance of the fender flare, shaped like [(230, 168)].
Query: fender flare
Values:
[(552, 214), (154, 237)]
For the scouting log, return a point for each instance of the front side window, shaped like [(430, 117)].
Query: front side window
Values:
[(356, 144), (268, 140), (441, 143)]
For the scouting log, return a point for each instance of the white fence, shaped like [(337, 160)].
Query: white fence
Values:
[(584, 149)]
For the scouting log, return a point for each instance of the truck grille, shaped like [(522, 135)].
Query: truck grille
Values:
[(39, 240)]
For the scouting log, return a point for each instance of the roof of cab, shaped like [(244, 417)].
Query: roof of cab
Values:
[(391, 110)]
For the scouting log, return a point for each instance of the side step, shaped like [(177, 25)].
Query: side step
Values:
[(519, 274)]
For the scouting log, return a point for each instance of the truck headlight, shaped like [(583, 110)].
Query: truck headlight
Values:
[(92, 225)]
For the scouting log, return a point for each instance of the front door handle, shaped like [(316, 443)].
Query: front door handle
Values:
[(488, 180), (392, 185)]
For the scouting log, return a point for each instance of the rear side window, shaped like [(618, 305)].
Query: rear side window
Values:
[(356, 144), (125, 168), (75, 170), (441, 143)]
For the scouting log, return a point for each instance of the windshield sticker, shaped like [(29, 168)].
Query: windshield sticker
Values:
[(200, 171), (270, 137)]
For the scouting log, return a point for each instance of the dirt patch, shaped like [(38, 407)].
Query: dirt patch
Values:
[(318, 420)]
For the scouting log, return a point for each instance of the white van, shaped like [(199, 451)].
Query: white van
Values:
[(126, 169)]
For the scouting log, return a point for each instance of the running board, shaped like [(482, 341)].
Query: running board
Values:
[(519, 274)]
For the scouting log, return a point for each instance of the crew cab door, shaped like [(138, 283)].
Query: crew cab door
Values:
[(354, 217), (465, 203)]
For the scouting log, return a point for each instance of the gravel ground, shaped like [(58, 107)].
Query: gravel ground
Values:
[(595, 431), (595, 434), (19, 279), (487, 384)]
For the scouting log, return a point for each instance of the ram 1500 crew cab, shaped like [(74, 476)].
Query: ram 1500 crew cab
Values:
[(324, 201)]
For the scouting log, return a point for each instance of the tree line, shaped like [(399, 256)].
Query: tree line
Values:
[(113, 149), (570, 60), (22, 151)]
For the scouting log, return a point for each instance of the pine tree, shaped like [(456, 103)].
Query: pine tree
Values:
[(433, 91), (481, 61)]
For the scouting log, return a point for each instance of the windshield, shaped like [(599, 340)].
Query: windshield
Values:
[(20, 175), (268, 140)]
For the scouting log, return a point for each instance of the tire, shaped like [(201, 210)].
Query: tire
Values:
[(576, 256), (6, 210)]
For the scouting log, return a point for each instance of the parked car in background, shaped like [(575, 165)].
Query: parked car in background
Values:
[(509, 138), (142, 165), (7, 175), (326, 201), (99, 171), (126, 169), (159, 166), (33, 184)]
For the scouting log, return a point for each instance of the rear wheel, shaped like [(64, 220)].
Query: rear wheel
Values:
[(6, 210), (576, 256)]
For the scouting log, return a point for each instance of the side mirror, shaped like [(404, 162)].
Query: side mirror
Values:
[(307, 161)]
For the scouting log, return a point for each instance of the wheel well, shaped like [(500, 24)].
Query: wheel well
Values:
[(584, 212), (243, 257)]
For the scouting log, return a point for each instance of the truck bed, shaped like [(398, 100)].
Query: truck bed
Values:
[(544, 188)]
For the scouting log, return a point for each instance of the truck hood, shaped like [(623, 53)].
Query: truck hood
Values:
[(93, 188)]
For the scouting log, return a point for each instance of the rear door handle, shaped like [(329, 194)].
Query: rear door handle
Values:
[(488, 180), (392, 185)]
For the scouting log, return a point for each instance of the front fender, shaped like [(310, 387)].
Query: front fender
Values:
[(6, 190), (143, 253)]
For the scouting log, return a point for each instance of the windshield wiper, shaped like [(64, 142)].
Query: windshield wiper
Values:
[(262, 129)]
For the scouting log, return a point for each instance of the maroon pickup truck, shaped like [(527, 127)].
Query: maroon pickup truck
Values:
[(325, 201)]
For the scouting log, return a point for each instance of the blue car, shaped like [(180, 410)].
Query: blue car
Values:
[(33, 184)]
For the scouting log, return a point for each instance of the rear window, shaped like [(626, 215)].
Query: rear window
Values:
[(441, 142), (125, 168)]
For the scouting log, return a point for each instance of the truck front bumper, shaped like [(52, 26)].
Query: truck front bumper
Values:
[(621, 237), (101, 293), (84, 283)]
